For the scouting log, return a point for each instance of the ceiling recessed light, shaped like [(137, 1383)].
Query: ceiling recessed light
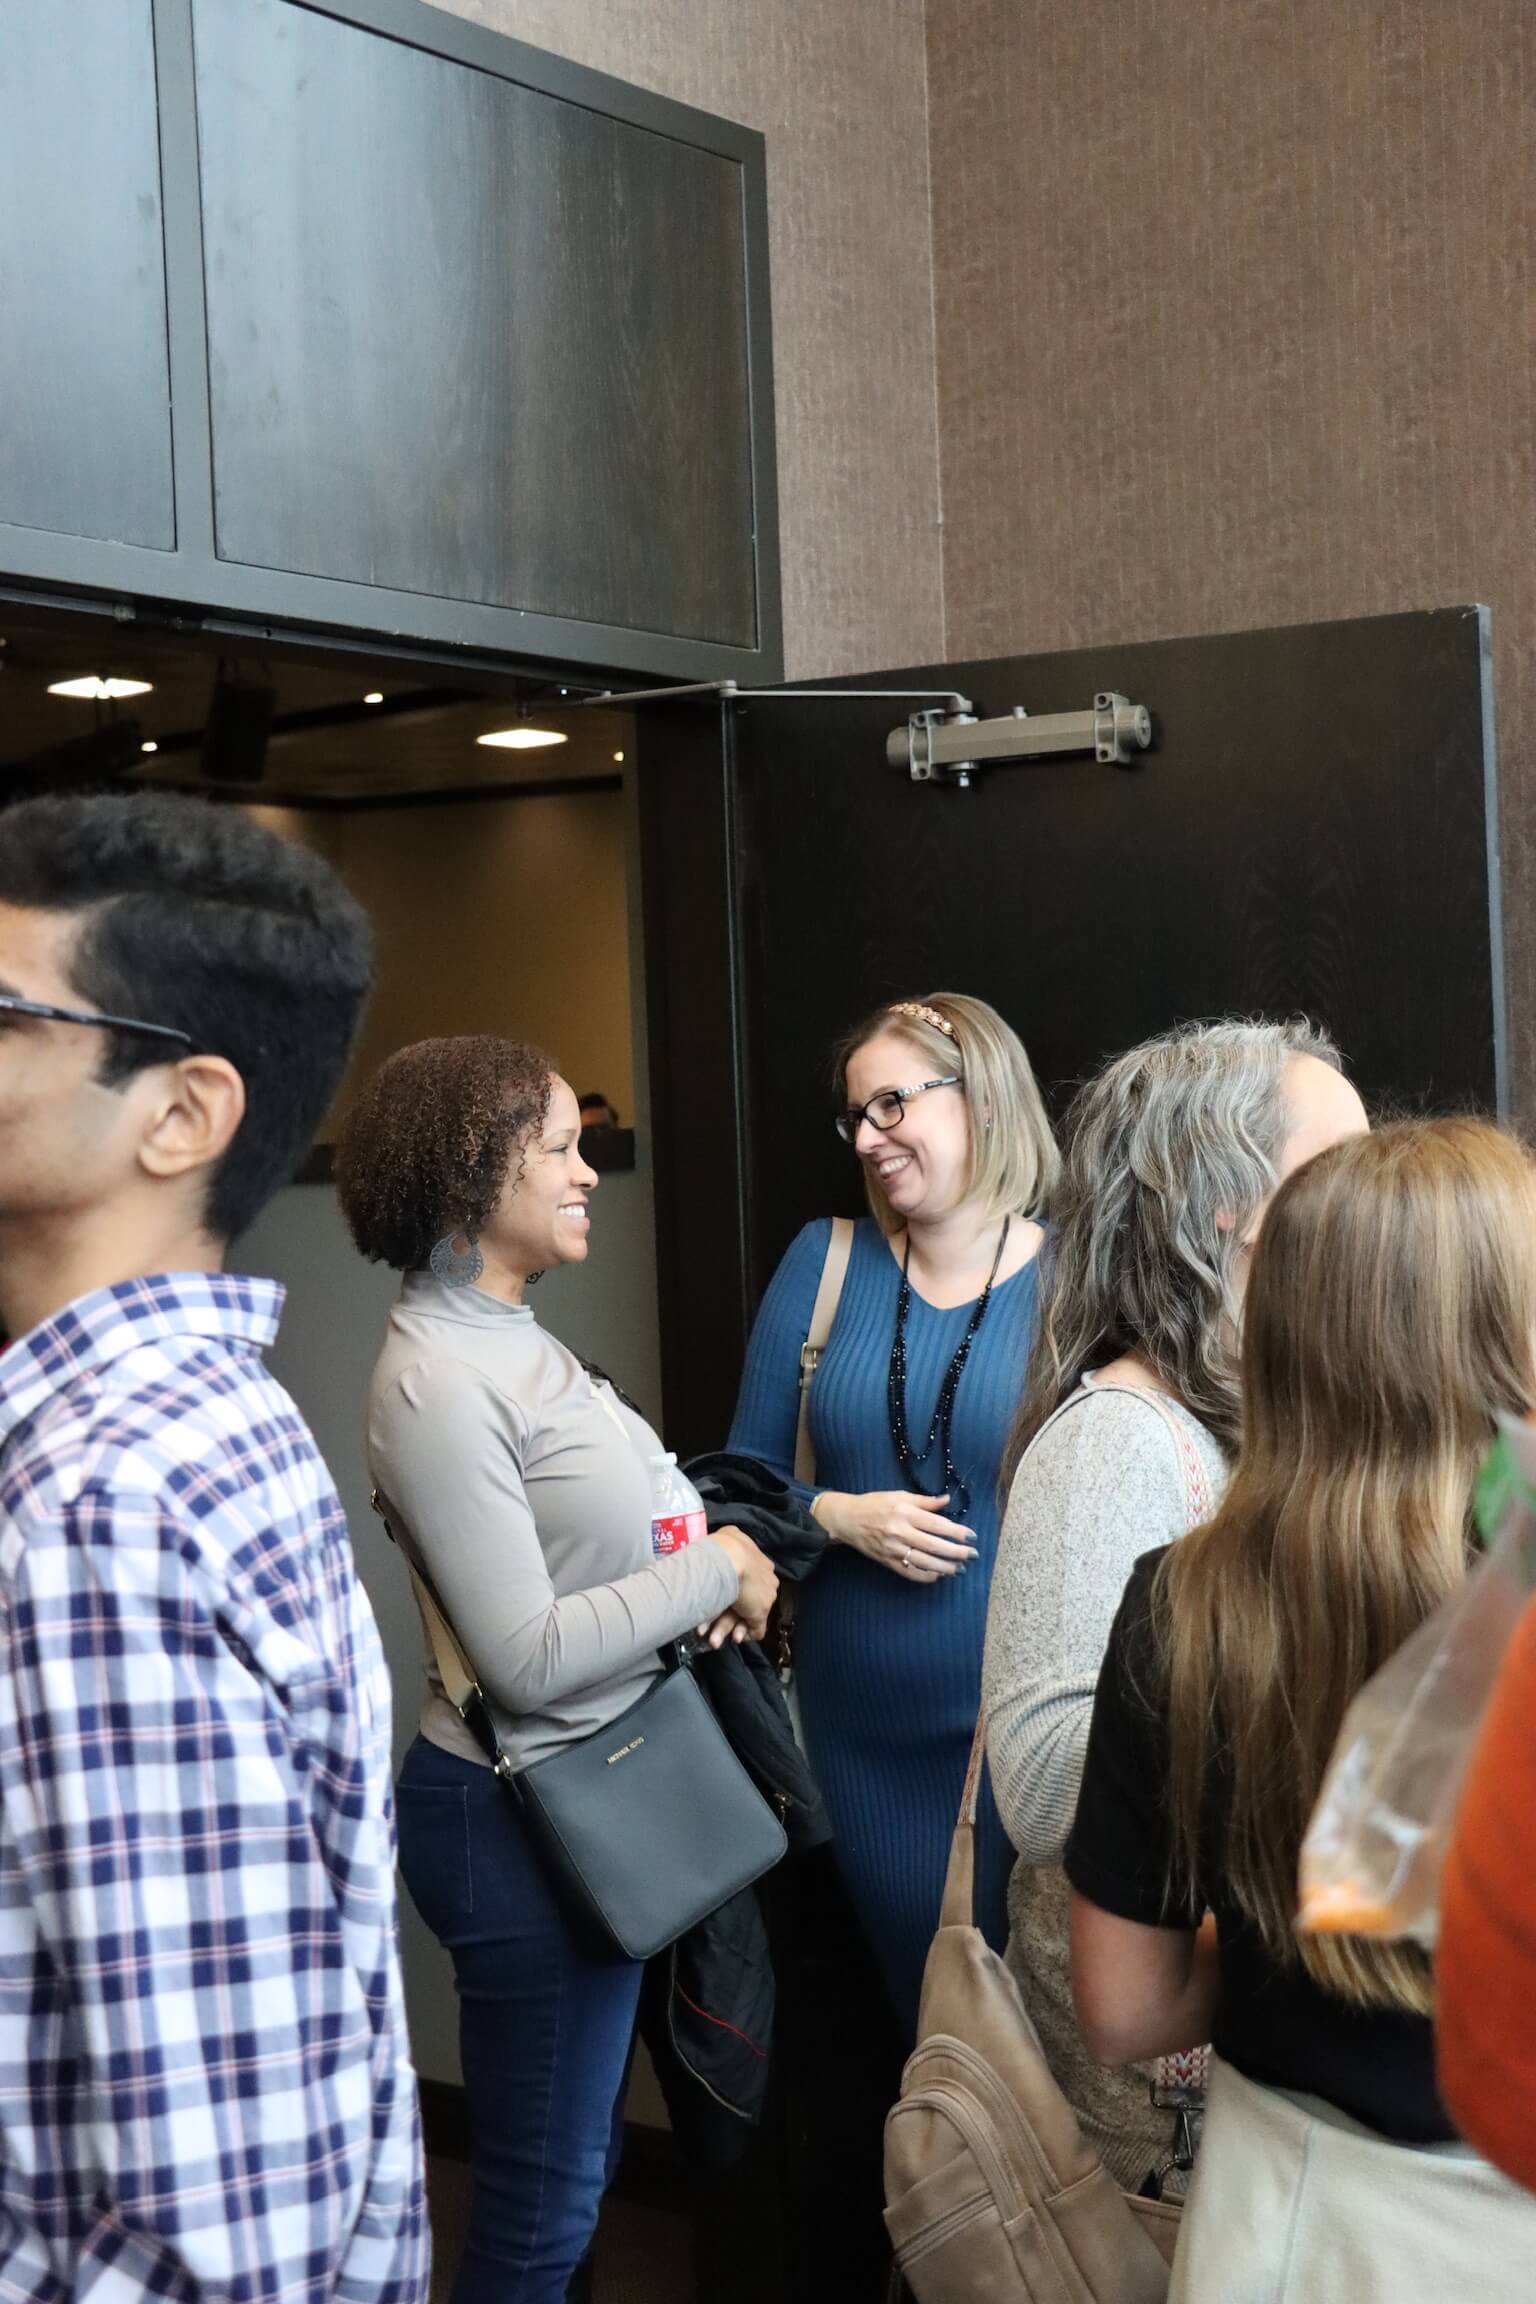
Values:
[(619, 756), (374, 696), (149, 745), (523, 738), (100, 691)]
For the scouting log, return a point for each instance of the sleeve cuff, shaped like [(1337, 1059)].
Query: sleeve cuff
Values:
[(713, 1582), (1112, 1893)]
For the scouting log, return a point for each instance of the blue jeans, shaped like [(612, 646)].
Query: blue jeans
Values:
[(545, 2029)]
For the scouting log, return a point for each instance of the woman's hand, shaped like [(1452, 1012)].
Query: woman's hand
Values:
[(902, 1532), (726, 1626), (757, 1584)]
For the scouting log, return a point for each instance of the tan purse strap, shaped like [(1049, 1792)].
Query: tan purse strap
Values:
[(958, 1909), (459, 1682), (829, 1294)]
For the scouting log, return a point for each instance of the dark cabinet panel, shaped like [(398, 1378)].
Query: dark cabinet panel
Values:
[(469, 339), (85, 429)]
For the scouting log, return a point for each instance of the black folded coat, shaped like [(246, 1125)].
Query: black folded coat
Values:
[(742, 1683), (706, 2010), (739, 1489)]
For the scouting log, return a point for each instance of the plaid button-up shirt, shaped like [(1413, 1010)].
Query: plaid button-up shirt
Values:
[(205, 2085)]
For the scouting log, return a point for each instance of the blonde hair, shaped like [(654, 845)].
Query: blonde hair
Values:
[(1388, 1323), (1171, 1152), (1012, 1163)]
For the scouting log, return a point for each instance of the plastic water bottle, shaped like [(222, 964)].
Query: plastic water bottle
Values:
[(677, 1508)]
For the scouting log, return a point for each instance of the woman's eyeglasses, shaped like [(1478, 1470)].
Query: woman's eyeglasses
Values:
[(12, 1004), (886, 1109)]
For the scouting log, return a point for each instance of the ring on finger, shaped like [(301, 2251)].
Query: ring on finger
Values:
[(906, 1556)]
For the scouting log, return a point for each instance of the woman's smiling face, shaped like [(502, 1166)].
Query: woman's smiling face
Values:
[(541, 1218), (921, 1164)]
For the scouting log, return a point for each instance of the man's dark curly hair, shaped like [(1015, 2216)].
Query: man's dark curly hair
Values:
[(427, 1147)]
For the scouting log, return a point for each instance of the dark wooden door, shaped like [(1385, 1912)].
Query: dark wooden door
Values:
[(1313, 831)]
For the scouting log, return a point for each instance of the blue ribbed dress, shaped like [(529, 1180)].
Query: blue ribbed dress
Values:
[(889, 1672)]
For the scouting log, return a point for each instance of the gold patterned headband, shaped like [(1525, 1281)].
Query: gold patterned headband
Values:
[(922, 1015)]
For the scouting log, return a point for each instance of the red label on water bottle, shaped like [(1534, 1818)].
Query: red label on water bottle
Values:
[(670, 1531)]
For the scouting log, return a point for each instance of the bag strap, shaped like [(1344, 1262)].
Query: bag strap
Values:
[(829, 1295), (460, 1686), (1198, 1499), (958, 1909)]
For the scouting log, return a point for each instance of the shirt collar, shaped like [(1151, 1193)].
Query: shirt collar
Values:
[(97, 1329), (424, 1292)]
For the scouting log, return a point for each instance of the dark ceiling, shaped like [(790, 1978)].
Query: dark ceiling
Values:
[(325, 746)]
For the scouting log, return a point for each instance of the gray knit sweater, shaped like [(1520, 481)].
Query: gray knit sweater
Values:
[(1102, 1483)]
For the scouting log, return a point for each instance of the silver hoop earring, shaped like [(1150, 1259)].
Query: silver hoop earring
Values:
[(456, 1266)]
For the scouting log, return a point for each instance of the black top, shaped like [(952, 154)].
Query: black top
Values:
[(1272, 2023)]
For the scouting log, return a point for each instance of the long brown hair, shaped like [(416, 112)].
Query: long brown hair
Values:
[(1389, 1321)]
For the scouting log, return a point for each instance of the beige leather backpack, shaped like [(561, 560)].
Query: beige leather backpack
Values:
[(994, 2195)]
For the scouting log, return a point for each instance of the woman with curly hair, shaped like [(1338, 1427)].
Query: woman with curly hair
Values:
[(521, 1484)]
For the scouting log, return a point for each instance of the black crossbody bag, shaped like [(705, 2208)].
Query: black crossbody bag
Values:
[(645, 1827)]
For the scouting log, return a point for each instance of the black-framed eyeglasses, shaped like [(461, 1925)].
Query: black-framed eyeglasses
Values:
[(886, 1109), (12, 1004)]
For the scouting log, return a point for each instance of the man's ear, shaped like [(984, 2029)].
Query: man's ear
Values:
[(191, 1122)]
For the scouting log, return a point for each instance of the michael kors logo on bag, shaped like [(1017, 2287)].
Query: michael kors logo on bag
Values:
[(625, 1750)]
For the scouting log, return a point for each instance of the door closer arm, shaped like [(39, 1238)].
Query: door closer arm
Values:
[(939, 747)]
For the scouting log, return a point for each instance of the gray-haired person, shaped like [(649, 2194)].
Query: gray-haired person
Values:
[(1123, 1441)]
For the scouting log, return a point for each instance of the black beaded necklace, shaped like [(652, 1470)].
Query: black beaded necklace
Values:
[(913, 1460)]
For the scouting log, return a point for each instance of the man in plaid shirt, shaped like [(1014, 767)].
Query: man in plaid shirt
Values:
[(205, 2085)]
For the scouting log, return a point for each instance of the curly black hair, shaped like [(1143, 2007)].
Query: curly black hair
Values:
[(426, 1148)]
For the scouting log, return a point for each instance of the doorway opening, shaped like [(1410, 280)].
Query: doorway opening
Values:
[(478, 814)]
